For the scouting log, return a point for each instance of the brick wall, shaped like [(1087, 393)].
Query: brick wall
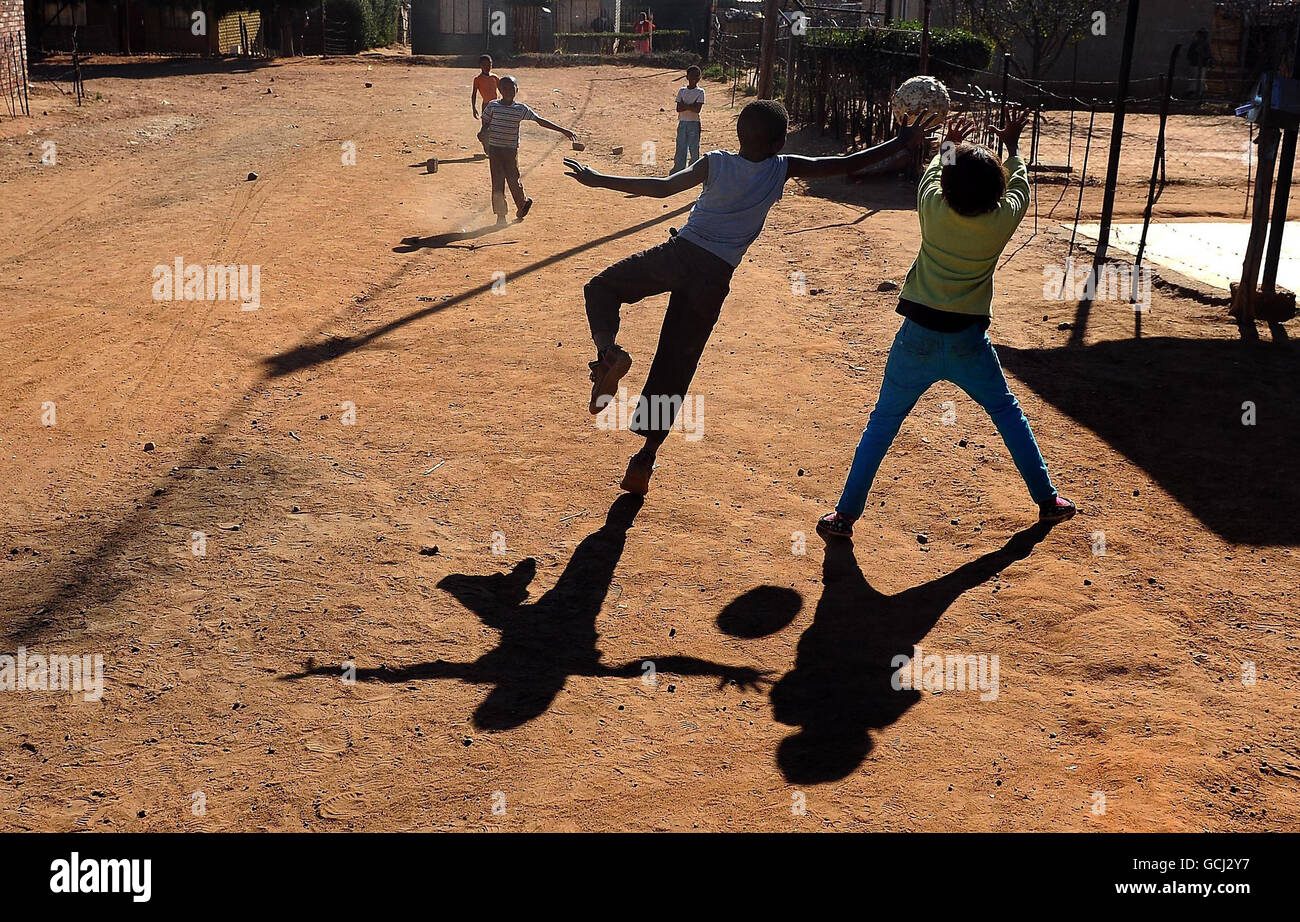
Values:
[(11, 21), (229, 38), (13, 60)]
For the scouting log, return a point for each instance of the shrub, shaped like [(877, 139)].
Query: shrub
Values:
[(365, 23), (603, 42), (879, 54)]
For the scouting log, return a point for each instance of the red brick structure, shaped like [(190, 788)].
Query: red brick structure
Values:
[(13, 58)]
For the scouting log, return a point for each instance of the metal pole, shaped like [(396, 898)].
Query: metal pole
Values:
[(1286, 162), (1117, 134), (789, 72), (1074, 94), (1083, 181), (1002, 120), (1243, 304), (767, 49), (1155, 165), (925, 39)]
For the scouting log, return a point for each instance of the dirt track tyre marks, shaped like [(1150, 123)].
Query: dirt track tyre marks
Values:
[(37, 239)]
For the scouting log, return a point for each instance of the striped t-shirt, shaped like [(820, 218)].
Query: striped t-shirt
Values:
[(503, 122)]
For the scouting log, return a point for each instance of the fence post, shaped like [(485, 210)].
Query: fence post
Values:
[(925, 39), (1002, 118), (1117, 134), (1286, 162), (767, 49)]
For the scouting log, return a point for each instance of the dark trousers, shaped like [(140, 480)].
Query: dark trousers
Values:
[(699, 283), (504, 164)]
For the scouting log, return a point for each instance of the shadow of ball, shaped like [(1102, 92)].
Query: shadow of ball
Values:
[(760, 612)]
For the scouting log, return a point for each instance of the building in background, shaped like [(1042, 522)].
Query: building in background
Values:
[(13, 57), (466, 26), (138, 27), (1242, 35)]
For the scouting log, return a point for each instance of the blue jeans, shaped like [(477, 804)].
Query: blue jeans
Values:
[(688, 142), (919, 358)]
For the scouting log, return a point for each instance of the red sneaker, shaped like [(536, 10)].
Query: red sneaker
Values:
[(1056, 509), (835, 525)]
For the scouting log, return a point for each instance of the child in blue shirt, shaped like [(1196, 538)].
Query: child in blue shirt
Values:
[(696, 265)]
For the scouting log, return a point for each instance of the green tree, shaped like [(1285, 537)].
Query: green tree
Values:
[(1044, 28)]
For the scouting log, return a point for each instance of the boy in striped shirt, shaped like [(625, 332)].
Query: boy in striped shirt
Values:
[(501, 118)]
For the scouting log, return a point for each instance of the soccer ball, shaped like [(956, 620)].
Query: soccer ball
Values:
[(920, 96)]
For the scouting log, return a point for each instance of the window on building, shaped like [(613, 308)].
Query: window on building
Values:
[(461, 17)]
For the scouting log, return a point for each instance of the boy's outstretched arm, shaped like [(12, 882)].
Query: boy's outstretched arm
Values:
[(909, 135), (1015, 203), (655, 187), (545, 123)]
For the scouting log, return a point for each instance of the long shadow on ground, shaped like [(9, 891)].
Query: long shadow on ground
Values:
[(545, 642), (311, 352), (840, 687), (1175, 408)]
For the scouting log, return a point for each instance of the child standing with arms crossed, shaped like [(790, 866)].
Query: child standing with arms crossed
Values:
[(501, 118), (690, 100), (969, 207), (485, 85), (696, 265)]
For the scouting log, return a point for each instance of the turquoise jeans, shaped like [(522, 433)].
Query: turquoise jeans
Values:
[(688, 144), (919, 358)]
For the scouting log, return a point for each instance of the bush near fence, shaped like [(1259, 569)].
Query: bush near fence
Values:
[(678, 59), (844, 78), (363, 23), (666, 40)]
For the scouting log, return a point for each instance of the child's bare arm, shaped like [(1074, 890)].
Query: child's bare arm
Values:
[(1015, 203), (545, 123), (909, 135), (654, 187), (1010, 133)]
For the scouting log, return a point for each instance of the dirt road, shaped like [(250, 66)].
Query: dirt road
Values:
[(388, 467)]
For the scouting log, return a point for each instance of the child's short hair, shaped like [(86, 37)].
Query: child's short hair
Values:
[(693, 69), (974, 182), (765, 116), (485, 57)]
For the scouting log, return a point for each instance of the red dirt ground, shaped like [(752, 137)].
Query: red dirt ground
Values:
[(1120, 675)]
